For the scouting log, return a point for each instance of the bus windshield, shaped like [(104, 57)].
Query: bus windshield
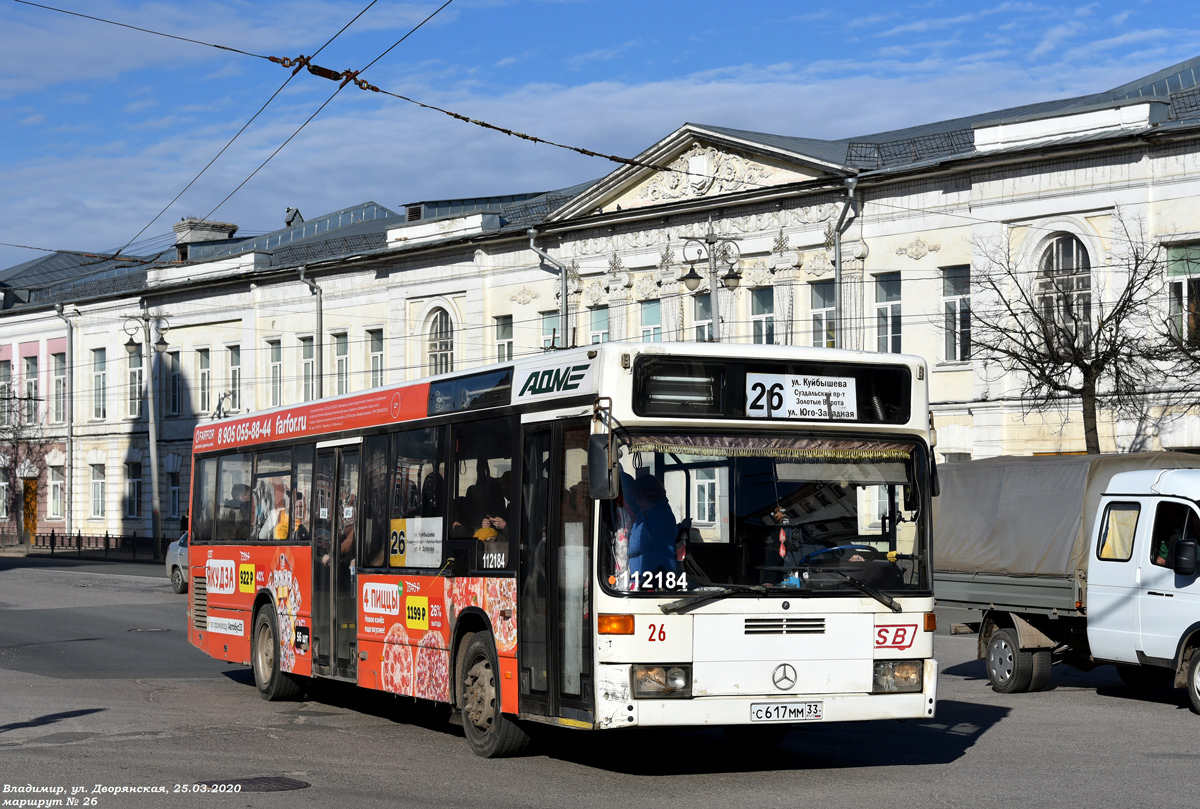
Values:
[(792, 514)]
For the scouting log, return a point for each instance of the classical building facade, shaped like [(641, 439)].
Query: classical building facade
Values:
[(871, 243)]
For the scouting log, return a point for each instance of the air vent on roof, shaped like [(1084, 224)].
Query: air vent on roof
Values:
[(413, 212)]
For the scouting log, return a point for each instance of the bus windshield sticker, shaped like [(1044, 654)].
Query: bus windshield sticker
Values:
[(416, 542), (818, 398)]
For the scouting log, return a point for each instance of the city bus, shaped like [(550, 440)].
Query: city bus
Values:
[(618, 536)]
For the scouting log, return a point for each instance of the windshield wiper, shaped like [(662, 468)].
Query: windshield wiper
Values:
[(689, 603), (883, 598)]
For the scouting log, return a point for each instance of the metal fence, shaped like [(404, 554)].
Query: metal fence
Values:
[(92, 546)]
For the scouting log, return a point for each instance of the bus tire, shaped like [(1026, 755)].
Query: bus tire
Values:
[(273, 685), (1040, 672), (489, 732), (1193, 682), (1009, 669)]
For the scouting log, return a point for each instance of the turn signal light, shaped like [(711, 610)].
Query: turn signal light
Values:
[(614, 624), (930, 621)]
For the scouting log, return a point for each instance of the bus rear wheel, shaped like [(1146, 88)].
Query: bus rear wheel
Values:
[(489, 732), (273, 684)]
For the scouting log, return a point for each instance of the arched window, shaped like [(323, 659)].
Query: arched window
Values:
[(441, 342), (1064, 291)]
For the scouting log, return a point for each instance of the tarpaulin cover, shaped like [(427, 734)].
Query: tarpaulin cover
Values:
[(1028, 515)]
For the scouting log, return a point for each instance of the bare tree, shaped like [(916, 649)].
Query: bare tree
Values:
[(1067, 340), (23, 442)]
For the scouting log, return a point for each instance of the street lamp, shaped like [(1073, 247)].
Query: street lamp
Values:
[(146, 323), (717, 250)]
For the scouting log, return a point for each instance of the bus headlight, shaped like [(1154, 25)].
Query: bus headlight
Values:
[(661, 682), (898, 676)]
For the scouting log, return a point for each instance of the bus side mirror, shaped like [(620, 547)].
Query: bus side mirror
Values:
[(1185, 557), (603, 479)]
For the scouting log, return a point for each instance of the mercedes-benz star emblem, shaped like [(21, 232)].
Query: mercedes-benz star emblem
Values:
[(784, 676)]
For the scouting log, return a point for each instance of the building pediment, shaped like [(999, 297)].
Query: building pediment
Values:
[(695, 166)]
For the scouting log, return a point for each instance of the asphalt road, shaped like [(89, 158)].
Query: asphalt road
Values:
[(98, 686)]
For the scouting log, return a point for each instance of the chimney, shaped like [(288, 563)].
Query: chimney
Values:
[(190, 230)]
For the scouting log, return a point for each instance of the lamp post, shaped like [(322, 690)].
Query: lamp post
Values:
[(717, 249), (147, 323)]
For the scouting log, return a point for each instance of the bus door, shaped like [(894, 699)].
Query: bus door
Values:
[(335, 544), (554, 641)]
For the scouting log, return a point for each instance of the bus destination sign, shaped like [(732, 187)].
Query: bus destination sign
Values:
[(805, 396)]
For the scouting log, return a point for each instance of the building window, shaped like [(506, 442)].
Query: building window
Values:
[(204, 373), (504, 338), (275, 353), (98, 490), (823, 306), (651, 321), (133, 490), (173, 495), (56, 493), (599, 330), (956, 304), (550, 330), (59, 410), (441, 343), (887, 312), (3, 492), (762, 315), (235, 378), (1183, 289), (6, 404), (706, 496), (702, 312), (308, 368), (133, 406), (1064, 292), (31, 389), (174, 384), (341, 354), (375, 348), (99, 384)]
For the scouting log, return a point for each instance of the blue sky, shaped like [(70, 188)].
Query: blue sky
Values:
[(101, 126)]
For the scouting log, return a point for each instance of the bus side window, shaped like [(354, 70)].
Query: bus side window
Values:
[(234, 513), (204, 491), (417, 486), (375, 512), (272, 496), (302, 478)]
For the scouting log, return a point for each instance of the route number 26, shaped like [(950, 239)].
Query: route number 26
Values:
[(773, 395), (658, 632)]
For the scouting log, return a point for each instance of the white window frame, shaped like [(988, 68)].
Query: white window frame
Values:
[(762, 315), (3, 492), (702, 317), (133, 490), (889, 338), (99, 383), (54, 502), (375, 355), (235, 377), (275, 358), (705, 496), (6, 403), (133, 399), (504, 337), (440, 334), (600, 325), (650, 315), (58, 364), (341, 354), (551, 333), (956, 313), (29, 380), (308, 365), (99, 491), (1063, 290), (204, 374)]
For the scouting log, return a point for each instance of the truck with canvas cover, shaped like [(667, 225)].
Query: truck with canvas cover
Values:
[(1083, 560)]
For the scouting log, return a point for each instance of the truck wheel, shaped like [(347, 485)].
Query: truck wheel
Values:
[(1040, 676), (273, 684), (489, 732), (1193, 682), (1008, 668), (1146, 678)]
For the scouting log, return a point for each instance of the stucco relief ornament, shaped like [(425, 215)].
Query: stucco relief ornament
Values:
[(594, 293), (524, 296), (646, 286), (818, 263), (917, 249), (758, 276), (703, 169)]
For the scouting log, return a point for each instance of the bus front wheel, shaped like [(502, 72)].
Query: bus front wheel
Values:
[(489, 732), (273, 684)]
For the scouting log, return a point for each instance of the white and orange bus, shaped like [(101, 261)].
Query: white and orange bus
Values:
[(618, 536)]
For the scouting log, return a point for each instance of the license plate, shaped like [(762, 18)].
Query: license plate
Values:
[(787, 711)]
